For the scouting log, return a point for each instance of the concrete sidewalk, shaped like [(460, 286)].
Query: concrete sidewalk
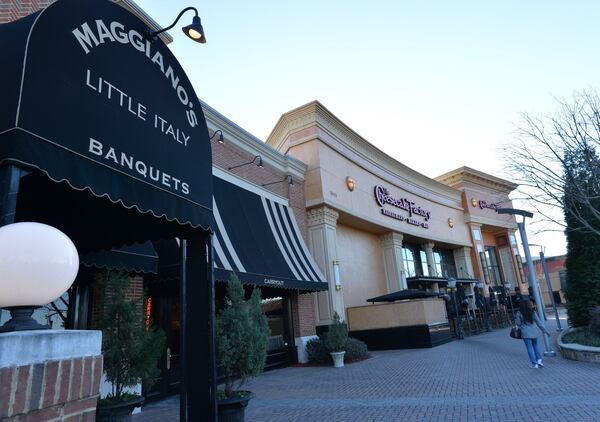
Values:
[(482, 378)]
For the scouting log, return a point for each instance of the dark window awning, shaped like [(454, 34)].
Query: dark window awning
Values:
[(257, 237), (403, 295), (426, 281), (136, 258)]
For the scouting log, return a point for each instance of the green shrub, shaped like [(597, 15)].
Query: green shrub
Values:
[(242, 336), (317, 352), (595, 320), (583, 336), (336, 336), (130, 349), (355, 349)]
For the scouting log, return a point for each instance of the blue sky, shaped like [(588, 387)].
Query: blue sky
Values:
[(435, 84)]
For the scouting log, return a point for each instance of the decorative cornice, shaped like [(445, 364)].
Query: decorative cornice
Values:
[(485, 221), (243, 140), (322, 215), (467, 174), (140, 13), (357, 149)]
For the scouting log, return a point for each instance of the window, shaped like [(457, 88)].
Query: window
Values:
[(444, 263), (424, 266), (409, 262), (491, 269)]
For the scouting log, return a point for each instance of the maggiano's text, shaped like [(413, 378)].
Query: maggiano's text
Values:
[(90, 36), (146, 171)]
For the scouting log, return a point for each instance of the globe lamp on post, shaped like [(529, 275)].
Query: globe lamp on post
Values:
[(458, 322), (38, 263)]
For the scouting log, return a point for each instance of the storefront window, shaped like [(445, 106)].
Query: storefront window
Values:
[(409, 262), (491, 269), (424, 266), (444, 263)]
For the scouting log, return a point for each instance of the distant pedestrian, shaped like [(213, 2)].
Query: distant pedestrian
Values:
[(525, 320)]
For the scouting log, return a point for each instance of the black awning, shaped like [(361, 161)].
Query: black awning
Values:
[(426, 281), (87, 100), (258, 238), (137, 258), (403, 295)]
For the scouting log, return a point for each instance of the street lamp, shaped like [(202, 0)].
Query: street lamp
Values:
[(549, 285), (486, 314), (530, 271), (457, 321), (38, 263)]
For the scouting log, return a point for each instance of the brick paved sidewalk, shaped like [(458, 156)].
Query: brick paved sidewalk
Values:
[(482, 378)]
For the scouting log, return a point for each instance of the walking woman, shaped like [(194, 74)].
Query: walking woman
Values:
[(525, 320)]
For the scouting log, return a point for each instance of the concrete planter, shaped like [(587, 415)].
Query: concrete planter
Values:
[(338, 359), (576, 351)]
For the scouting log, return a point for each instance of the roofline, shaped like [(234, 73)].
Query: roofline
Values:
[(148, 20), (245, 141), (363, 149), (475, 176)]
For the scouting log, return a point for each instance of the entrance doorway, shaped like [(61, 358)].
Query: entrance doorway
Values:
[(162, 308)]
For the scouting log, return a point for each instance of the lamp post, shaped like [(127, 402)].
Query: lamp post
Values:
[(457, 321), (38, 263), (549, 285), (530, 271), (486, 314), (507, 287)]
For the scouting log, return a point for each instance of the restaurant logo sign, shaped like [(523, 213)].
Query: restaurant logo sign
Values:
[(383, 197), (484, 204)]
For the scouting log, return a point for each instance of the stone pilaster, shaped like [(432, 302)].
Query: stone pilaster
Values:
[(428, 248), (322, 242), (463, 262), (393, 264)]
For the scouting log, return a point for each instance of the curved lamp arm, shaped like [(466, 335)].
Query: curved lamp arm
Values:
[(154, 34)]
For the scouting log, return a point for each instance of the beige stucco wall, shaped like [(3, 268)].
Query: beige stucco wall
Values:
[(361, 265), (326, 183), (397, 314)]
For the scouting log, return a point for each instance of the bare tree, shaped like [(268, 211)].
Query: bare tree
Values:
[(538, 160)]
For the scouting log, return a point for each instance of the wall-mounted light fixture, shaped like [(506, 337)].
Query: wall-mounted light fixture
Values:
[(220, 138), (288, 178), (474, 202), (336, 275), (350, 184), (256, 160), (450, 223), (193, 30)]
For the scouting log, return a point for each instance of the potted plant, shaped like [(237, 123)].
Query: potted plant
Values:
[(242, 335), (335, 340), (130, 348)]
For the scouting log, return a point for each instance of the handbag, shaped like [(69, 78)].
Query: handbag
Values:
[(515, 332)]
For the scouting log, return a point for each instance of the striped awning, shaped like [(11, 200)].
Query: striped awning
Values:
[(257, 237)]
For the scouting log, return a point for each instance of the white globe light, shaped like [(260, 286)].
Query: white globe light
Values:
[(38, 263)]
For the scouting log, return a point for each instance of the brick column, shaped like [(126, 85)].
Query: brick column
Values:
[(50, 375), (393, 264)]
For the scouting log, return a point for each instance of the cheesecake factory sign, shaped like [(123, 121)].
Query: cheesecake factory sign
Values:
[(413, 214), (96, 88)]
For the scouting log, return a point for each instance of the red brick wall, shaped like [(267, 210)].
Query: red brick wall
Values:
[(61, 390), (11, 10), (134, 291)]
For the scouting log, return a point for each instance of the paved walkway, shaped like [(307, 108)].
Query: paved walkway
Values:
[(482, 378)]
